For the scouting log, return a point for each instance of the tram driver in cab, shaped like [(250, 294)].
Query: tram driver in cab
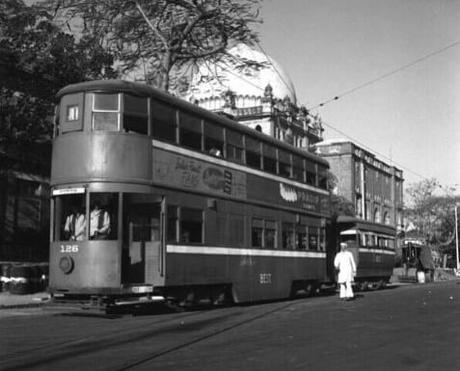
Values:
[(99, 226), (75, 224)]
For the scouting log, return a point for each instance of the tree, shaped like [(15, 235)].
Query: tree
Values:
[(37, 60), (430, 213), (163, 38)]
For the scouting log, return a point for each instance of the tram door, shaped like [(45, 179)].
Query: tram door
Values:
[(142, 239)]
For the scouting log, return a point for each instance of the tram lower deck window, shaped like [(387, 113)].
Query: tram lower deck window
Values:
[(191, 225)]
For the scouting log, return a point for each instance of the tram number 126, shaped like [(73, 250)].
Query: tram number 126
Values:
[(265, 278), (69, 248)]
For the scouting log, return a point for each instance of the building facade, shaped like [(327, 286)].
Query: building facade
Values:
[(371, 185)]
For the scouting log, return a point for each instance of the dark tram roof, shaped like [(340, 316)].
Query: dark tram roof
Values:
[(140, 89)]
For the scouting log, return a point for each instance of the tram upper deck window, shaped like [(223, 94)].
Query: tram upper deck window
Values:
[(269, 160), (284, 164), (70, 113), (235, 147), (106, 112), (135, 114), (322, 177), (298, 168), (164, 120), (253, 158), (190, 131), (213, 139), (311, 173)]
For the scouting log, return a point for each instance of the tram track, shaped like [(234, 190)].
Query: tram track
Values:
[(218, 332), (192, 328)]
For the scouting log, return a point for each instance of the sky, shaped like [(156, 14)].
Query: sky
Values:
[(409, 119)]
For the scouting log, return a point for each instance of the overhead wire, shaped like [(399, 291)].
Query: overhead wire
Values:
[(388, 74), (224, 66)]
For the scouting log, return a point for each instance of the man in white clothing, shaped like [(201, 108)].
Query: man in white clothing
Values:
[(345, 263), (99, 225), (75, 225)]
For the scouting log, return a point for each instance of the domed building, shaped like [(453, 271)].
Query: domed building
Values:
[(253, 89)]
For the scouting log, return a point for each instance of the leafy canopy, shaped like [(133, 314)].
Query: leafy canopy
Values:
[(37, 59), (160, 40)]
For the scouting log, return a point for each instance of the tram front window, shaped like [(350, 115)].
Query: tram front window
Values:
[(103, 216), (70, 218)]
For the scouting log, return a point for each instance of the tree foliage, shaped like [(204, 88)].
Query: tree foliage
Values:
[(430, 213), (162, 39), (38, 59)]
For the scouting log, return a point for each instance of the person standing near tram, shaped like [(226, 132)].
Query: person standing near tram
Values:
[(99, 225), (75, 225), (345, 263)]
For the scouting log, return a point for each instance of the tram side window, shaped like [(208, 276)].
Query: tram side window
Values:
[(311, 173), (164, 121), (301, 237), (313, 238), (191, 225), (253, 158), (297, 168), (269, 161), (172, 223), (288, 236), (270, 234), (322, 239), (213, 139), (103, 216), (236, 230), (257, 232), (284, 160), (106, 112), (322, 177), (135, 114), (190, 131), (69, 114), (69, 218), (234, 146), (263, 233)]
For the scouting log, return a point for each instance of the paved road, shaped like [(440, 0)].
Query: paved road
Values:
[(414, 327)]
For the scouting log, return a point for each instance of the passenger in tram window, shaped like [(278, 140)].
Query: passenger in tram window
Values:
[(215, 152), (345, 263), (185, 237), (75, 225), (99, 226)]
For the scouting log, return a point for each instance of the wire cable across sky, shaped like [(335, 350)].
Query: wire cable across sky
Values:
[(385, 75)]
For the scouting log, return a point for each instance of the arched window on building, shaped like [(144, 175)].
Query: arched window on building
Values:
[(386, 218), (377, 215)]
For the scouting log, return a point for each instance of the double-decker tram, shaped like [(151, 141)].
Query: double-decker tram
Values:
[(156, 197), (373, 247)]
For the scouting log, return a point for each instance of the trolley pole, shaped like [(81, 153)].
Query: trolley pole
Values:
[(456, 236)]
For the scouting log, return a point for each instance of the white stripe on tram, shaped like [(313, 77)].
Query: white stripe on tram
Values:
[(210, 250), (376, 251)]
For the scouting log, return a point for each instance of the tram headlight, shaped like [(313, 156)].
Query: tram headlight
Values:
[(66, 264)]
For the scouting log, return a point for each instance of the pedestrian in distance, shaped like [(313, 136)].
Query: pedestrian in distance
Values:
[(345, 264)]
